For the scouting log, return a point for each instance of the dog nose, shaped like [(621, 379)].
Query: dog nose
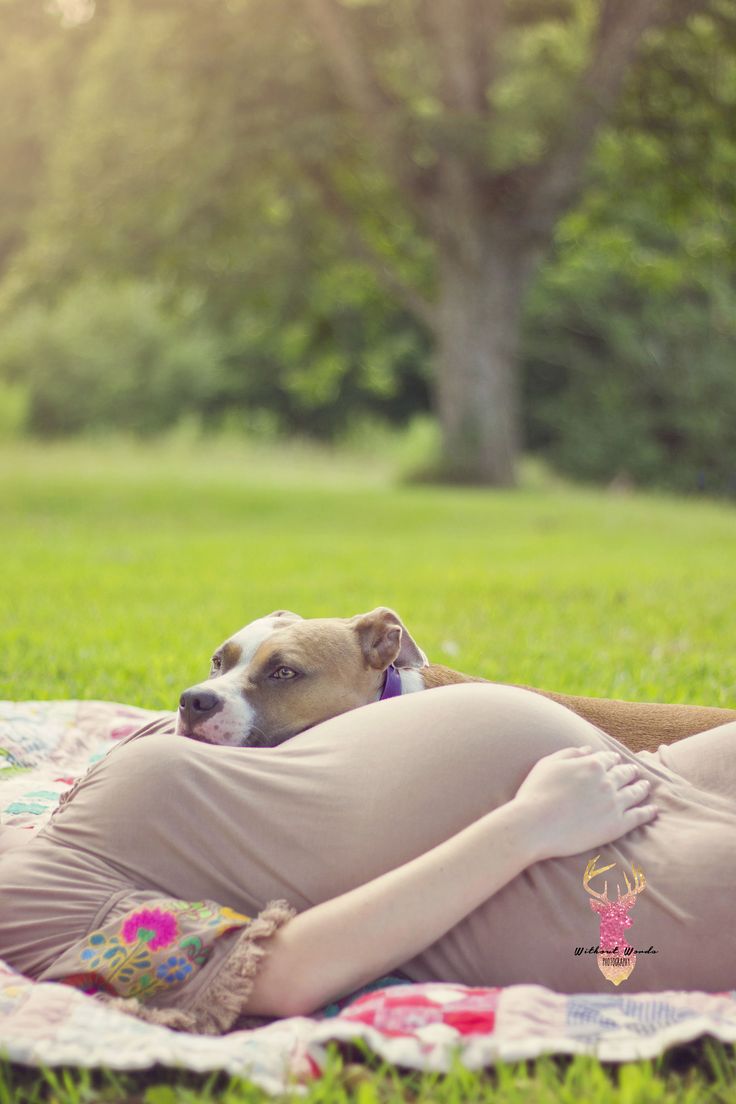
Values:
[(197, 704)]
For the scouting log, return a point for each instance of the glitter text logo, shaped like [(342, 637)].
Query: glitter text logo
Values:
[(616, 957)]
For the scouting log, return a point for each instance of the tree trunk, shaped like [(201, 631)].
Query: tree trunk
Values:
[(477, 388)]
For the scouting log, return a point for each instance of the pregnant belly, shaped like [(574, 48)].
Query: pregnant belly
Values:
[(371, 789), (680, 921)]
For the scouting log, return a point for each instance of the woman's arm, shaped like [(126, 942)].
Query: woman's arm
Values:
[(343, 943)]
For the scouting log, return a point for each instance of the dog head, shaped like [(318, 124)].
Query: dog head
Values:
[(283, 673)]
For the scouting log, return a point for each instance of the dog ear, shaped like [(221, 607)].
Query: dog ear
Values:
[(385, 639)]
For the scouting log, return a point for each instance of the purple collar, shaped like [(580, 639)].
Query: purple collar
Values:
[(392, 684)]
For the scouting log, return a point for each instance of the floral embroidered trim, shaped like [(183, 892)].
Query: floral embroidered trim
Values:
[(216, 1008), (159, 946)]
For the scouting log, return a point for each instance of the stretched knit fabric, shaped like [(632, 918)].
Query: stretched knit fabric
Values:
[(190, 855)]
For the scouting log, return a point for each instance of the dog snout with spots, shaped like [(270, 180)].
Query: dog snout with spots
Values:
[(282, 674)]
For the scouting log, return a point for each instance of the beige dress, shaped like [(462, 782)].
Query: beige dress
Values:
[(212, 848)]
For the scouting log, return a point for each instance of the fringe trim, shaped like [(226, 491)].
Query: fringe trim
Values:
[(218, 1005), (165, 1017)]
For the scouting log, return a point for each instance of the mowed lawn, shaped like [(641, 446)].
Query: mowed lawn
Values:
[(123, 567)]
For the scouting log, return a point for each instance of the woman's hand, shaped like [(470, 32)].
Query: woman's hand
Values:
[(578, 798)]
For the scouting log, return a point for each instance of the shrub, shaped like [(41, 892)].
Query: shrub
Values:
[(624, 384), (111, 355)]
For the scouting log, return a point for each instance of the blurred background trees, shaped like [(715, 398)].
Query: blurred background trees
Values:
[(517, 215)]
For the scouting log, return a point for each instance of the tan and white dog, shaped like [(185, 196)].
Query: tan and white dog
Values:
[(283, 673)]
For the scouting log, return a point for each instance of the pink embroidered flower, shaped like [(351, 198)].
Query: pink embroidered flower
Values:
[(151, 926)]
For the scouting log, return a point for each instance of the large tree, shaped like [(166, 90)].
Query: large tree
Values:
[(254, 158), (480, 115)]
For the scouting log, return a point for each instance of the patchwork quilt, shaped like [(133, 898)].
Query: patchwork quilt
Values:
[(46, 746)]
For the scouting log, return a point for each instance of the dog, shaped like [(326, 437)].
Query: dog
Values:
[(283, 673)]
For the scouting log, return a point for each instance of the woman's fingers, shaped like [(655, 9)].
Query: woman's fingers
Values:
[(622, 773), (637, 815), (606, 786), (634, 792), (608, 758), (631, 787)]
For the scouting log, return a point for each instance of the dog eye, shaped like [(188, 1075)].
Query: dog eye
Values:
[(283, 673), (216, 662)]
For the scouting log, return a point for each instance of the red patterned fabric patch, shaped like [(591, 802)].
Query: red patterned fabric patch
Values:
[(404, 1010)]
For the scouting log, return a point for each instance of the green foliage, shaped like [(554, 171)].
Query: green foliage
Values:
[(37, 74), (337, 361), (563, 589), (636, 388), (13, 410), (631, 328), (168, 161), (130, 355), (541, 59), (110, 356), (702, 1073)]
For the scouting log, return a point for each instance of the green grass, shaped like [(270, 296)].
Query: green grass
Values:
[(123, 567)]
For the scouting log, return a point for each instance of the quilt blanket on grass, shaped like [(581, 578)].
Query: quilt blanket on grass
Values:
[(45, 746)]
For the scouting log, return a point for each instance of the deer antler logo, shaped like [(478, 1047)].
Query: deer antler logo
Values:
[(616, 957)]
